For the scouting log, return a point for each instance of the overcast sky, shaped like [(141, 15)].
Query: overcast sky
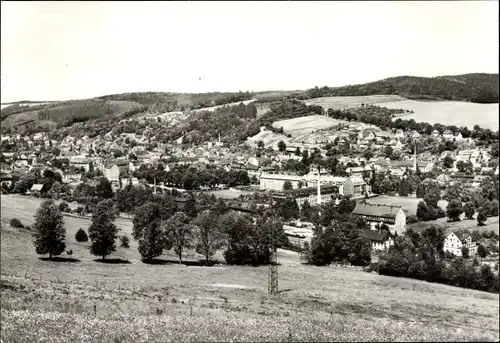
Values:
[(72, 50)]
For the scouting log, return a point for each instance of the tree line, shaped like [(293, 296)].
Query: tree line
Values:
[(481, 88), (158, 227), (386, 122)]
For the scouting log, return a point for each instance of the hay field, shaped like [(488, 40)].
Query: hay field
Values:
[(88, 301), (269, 138), (341, 102), (304, 125), (465, 224), (457, 113)]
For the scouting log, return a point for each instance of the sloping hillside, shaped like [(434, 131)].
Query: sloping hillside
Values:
[(478, 87), (49, 115), (53, 115)]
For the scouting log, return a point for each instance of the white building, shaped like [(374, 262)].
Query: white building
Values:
[(112, 172), (456, 240), (275, 182)]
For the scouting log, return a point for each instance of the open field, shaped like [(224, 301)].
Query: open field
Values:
[(307, 124), (88, 301), (466, 224), (210, 109), (341, 102), (269, 139), (457, 113)]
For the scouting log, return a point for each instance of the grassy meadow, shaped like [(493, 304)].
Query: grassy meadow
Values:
[(307, 124), (341, 102), (465, 224), (89, 301)]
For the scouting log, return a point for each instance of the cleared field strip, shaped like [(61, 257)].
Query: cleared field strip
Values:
[(341, 102)]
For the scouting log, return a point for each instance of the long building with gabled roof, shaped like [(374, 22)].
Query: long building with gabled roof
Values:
[(392, 216)]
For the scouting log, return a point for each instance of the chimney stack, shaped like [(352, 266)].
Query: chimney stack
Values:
[(319, 187)]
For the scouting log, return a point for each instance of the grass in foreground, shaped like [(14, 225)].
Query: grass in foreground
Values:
[(136, 302)]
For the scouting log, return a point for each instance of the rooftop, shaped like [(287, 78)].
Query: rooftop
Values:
[(376, 210)]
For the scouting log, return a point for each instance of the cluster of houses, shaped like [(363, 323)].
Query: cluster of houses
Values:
[(85, 154)]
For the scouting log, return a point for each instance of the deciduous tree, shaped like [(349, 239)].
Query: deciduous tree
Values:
[(469, 209), (148, 231), (48, 230), (179, 232), (102, 231), (454, 210), (208, 234), (481, 216), (287, 185), (281, 146)]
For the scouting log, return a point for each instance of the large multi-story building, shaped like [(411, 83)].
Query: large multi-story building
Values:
[(275, 182), (393, 216), (355, 187), (456, 240)]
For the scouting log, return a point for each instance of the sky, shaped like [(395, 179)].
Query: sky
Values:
[(75, 50)]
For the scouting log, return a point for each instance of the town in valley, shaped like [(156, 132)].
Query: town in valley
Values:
[(322, 214)]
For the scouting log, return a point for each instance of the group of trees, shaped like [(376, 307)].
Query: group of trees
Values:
[(461, 200), (190, 178), (158, 226), (421, 256), (51, 180), (342, 242), (429, 212)]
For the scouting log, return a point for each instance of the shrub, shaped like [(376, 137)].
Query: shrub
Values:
[(64, 207), (16, 223), (465, 252), (411, 219), (81, 236), (125, 241), (449, 255)]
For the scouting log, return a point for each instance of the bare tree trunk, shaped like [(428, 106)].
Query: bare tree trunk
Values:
[(50, 257), (180, 256)]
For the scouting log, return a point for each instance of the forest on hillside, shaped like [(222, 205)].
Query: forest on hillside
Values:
[(480, 88)]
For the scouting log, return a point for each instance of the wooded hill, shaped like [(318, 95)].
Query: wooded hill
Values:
[(479, 87), (54, 115)]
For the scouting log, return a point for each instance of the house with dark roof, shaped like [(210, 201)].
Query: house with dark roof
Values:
[(380, 240), (393, 216)]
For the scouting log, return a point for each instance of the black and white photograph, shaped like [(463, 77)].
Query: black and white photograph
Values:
[(249, 171)]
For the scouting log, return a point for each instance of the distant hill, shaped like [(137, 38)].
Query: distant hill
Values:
[(36, 116), (480, 88)]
